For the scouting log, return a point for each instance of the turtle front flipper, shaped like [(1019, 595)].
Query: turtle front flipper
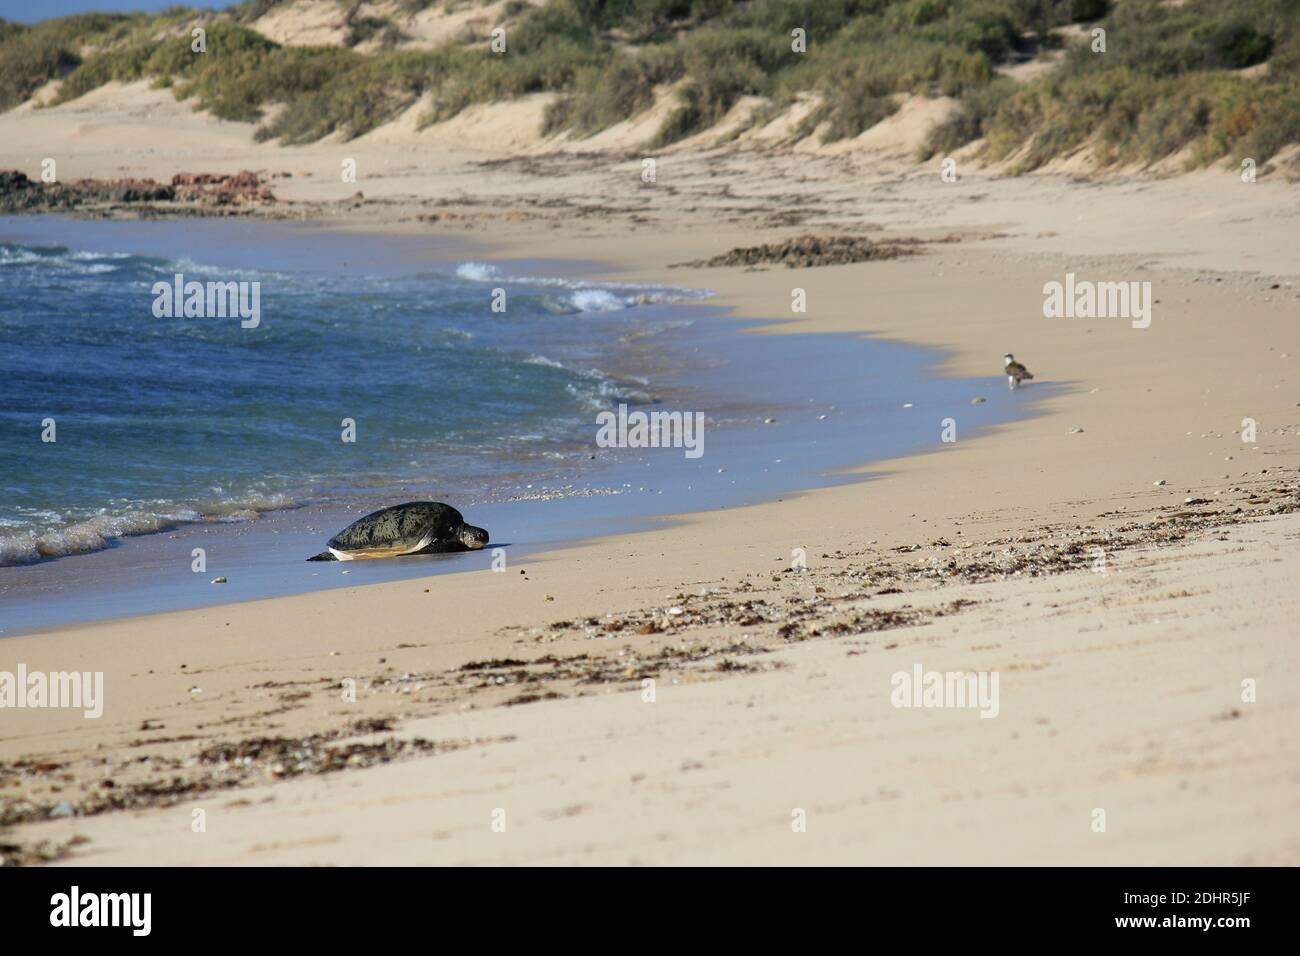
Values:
[(323, 556)]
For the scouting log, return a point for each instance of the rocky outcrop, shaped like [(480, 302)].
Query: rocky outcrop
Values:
[(18, 194), (221, 189)]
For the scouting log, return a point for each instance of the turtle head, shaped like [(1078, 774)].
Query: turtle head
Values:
[(473, 538)]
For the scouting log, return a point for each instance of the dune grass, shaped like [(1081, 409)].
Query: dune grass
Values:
[(856, 54), (1204, 79), (32, 56), (1170, 82)]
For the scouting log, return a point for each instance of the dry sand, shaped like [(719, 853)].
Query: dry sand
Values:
[(1120, 691)]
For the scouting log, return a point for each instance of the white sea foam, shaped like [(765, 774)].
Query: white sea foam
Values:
[(83, 256), (99, 531), (10, 256), (188, 267), (477, 271), (56, 257), (586, 296), (542, 360), (596, 389), (598, 394), (596, 300)]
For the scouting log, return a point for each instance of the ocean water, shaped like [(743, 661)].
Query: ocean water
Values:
[(175, 434), (163, 421)]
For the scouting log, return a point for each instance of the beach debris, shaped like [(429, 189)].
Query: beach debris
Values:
[(226, 765), (978, 400), (674, 644), (804, 252), (219, 580), (1076, 430), (292, 757), (1160, 482)]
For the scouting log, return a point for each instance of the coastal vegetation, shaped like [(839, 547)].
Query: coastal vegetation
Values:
[(1200, 80)]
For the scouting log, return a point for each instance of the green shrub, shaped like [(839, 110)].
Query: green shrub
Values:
[(1163, 86), (32, 56), (970, 121), (1238, 44), (609, 94), (1169, 81), (27, 62), (1087, 10)]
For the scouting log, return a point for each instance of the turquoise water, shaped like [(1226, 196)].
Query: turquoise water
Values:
[(160, 421)]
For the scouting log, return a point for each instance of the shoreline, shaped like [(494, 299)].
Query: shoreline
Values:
[(762, 660), (695, 360)]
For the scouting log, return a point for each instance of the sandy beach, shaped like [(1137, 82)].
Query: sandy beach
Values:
[(1121, 558)]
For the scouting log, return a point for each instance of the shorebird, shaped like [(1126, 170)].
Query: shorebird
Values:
[(1016, 373)]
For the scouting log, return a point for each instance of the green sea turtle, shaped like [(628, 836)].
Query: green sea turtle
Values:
[(417, 527)]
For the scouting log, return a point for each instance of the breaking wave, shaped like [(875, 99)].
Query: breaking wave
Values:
[(100, 531), (228, 423)]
